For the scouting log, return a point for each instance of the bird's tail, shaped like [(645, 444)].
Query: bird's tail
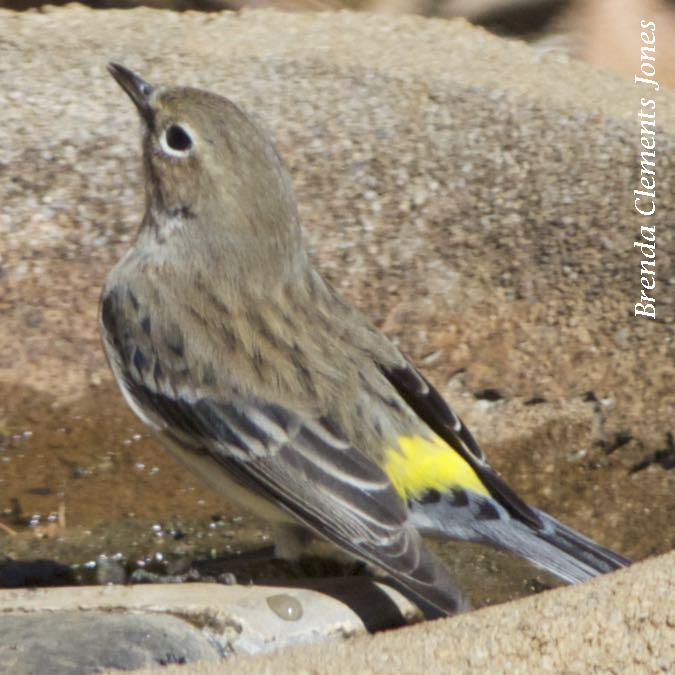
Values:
[(583, 558), (551, 546)]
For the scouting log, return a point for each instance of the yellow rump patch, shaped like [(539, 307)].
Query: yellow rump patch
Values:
[(420, 464)]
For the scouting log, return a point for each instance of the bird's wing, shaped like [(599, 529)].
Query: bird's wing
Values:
[(307, 467), (299, 462), (430, 407)]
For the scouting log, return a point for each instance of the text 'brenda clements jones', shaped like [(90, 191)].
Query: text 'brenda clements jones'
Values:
[(644, 198)]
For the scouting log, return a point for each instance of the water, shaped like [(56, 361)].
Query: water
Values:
[(87, 490)]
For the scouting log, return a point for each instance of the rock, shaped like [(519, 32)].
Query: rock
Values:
[(85, 629), (622, 622), (83, 642)]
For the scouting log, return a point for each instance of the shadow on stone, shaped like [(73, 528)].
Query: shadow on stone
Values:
[(28, 573)]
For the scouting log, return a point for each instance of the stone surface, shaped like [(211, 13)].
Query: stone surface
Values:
[(623, 622), (85, 642), (620, 623), (86, 629)]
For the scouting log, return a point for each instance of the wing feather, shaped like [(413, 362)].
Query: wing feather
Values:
[(300, 462), (320, 480), (429, 405)]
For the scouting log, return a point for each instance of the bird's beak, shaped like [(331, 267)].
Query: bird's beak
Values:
[(138, 90)]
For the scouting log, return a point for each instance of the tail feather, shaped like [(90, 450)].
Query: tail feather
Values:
[(563, 538), (554, 547)]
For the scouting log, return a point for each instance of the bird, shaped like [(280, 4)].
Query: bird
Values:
[(226, 341)]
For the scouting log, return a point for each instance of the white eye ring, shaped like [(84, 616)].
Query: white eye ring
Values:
[(177, 141)]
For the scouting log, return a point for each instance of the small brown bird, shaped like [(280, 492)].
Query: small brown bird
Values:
[(262, 380)]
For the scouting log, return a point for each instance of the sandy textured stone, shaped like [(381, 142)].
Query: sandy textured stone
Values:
[(624, 622), (620, 623), (461, 177)]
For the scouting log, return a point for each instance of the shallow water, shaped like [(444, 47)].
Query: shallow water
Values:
[(86, 488)]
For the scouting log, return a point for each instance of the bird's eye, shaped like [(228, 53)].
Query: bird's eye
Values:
[(177, 140)]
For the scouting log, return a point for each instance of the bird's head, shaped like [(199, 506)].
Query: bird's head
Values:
[(211, 172)]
